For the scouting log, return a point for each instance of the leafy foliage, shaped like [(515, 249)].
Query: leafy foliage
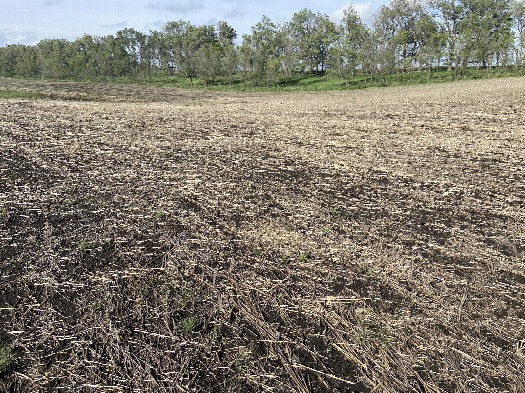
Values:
[(404, 36)]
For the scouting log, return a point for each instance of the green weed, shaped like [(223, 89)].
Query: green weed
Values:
[(189, 325), (258, 252), (7, 358), (281, 296), (285, 259), (245, 361), (370, 329), (97, 305), (288, 227), (303, 258), (4, 94), (188, 296), (84, 245)]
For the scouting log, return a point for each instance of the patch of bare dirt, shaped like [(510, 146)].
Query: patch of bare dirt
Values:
[(340, 242)]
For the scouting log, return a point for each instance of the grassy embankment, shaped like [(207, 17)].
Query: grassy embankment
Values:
[(331, 82), (303, 82), (15, 94)]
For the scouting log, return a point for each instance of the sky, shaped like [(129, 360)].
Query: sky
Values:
[(29, 21)]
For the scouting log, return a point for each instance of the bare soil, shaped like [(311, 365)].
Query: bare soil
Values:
[(163, 240)]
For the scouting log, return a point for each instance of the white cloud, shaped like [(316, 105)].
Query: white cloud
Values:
[(235, 13), (51, 3), (155, 25), (114, 25), (179, 7), (26, 37), (364, 10)]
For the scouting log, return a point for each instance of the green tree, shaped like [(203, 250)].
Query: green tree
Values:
[(518, 13), (209, 64), (230, 62), (184, 41), (486, 31), (9, 59), (27, 63), (133, 43), (82, 58), (289, 59), (449, 15), (229, 53), (429, 41), (247, 57), (258, 48), (158, 53), (372, 52), (312, 35), (173, 34), (386, 38), (226, 34), (53, 58), (402, 25), (347, 53), (111, 58)]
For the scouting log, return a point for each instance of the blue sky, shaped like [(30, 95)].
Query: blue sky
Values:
[(29, 21)]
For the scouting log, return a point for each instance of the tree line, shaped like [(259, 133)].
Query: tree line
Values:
[(404, 35)]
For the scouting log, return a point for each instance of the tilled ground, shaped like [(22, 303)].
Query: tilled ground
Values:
[(316, 242)]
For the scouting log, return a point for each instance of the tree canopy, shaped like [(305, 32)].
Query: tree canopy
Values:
[(404, 35)]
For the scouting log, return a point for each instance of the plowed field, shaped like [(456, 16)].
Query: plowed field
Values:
[(162, 240)]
